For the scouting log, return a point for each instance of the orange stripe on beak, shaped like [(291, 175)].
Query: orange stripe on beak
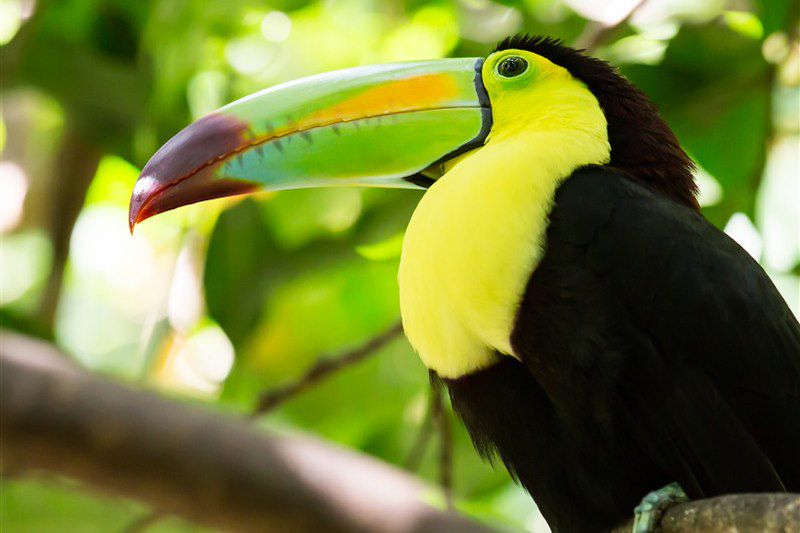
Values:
[(418, 92)]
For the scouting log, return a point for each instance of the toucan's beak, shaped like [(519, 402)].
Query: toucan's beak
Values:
[(372, 126)]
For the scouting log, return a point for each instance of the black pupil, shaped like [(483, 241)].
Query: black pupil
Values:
[(512, 66)]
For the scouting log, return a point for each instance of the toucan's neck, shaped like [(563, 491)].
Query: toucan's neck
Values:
[(477, 236)]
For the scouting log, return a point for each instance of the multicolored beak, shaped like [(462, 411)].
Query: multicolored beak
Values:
[(377, 126)]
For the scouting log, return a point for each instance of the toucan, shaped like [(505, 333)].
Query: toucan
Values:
[(594, 330)]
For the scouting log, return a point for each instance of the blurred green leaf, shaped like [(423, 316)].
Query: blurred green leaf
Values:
[(299, 217), (385, 249), (44, 506), (778, 15), (257, 248), (33, 505), (113, 182), (744, 23), (239, 251)]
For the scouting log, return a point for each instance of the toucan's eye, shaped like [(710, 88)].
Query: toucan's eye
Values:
[(512, 66)]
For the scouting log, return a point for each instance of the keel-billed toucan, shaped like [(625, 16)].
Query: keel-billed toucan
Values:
[(593, 329)]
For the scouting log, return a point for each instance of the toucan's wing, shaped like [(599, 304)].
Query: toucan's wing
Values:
[(718, 400)]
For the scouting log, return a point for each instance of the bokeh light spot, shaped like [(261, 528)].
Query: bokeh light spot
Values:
[(13, 188), (742, 230), (10, 19), (249, 55), (276, 26)]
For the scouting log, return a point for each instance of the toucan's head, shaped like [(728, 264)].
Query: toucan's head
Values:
[(398, 125)]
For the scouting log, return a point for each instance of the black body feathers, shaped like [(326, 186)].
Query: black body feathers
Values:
[(653, 349)]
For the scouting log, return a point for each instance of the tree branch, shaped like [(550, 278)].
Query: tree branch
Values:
[(188, 461), (323, 368), (763, 513), (595, 33), (445, 446), (424, 433), (271, 399), (435, 418)]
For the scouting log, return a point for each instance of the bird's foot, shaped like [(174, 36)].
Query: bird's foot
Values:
[(649, 511)]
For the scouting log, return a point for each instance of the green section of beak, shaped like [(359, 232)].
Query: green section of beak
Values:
[(371, 126)]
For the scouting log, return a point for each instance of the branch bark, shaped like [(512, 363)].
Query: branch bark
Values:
[(323, 368), (742, 513), (424, 434), (188, 461), (445, 446), (595, 33)]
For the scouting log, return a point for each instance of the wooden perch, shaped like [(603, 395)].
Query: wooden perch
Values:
[(222, 472), (737, 513), (198, 464)]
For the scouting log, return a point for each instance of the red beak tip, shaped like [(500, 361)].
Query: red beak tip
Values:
[(145, 189), (134, 215)]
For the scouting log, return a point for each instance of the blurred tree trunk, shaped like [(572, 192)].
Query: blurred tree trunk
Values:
[(75, 167)]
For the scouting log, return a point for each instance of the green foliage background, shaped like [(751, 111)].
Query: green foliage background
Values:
[(219, 302)]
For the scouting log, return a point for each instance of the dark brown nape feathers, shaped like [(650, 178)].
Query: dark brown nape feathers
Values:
[(642, 145)]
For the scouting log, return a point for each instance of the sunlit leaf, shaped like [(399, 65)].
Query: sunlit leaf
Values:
[(238, 252), (113, 182), (386, 249), (744, 23)]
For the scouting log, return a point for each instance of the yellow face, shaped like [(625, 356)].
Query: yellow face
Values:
[(528, 92), (479, 232), (508, 74)]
